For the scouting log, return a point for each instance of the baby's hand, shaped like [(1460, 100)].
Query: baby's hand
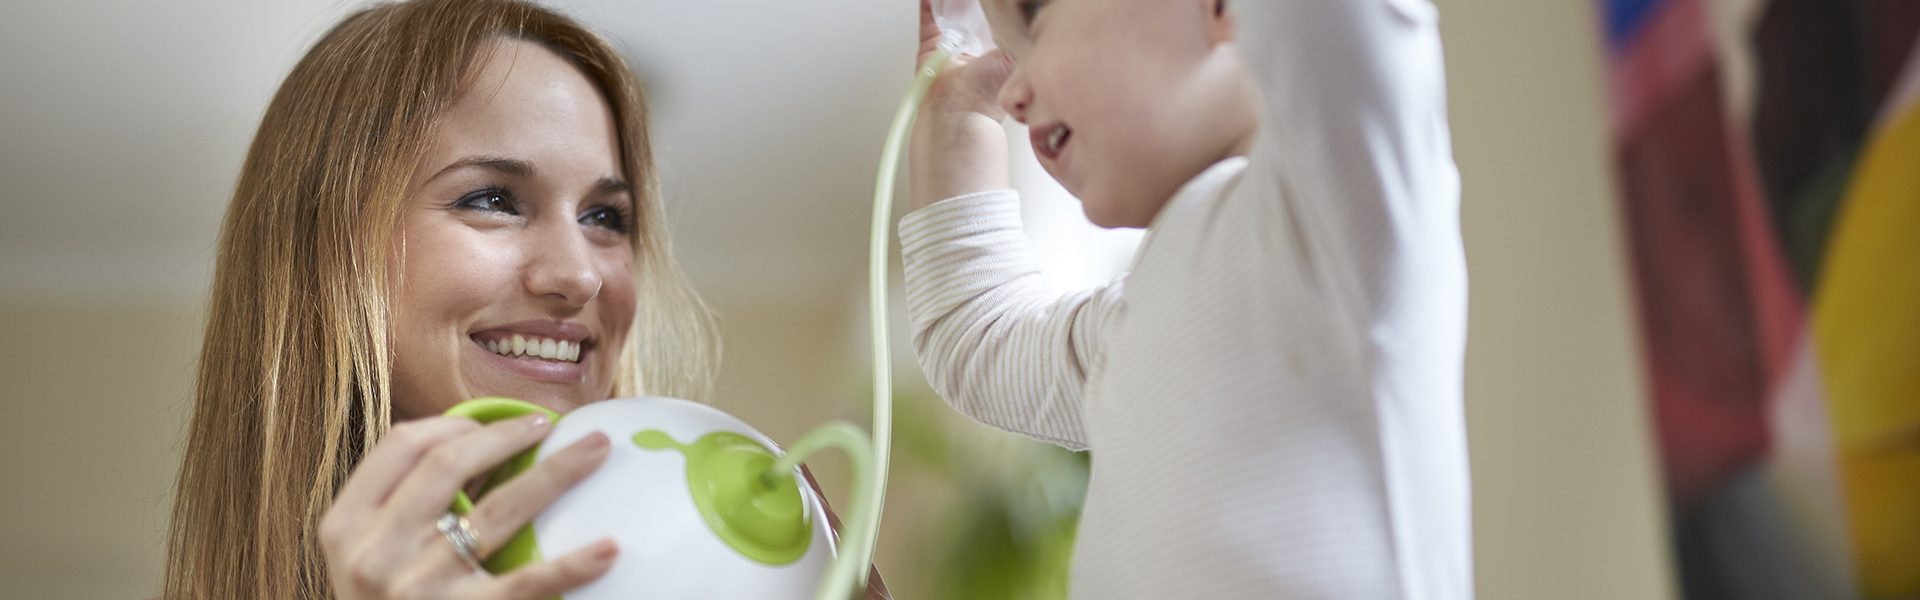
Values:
[(958, 146), (970, 84)]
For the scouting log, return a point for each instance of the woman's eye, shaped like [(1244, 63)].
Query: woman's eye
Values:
[(490, 200), (605, 217)]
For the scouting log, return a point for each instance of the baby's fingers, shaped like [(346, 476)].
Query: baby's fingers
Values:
[(929, 31)]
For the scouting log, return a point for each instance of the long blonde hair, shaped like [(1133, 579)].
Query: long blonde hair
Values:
[(293, 385)]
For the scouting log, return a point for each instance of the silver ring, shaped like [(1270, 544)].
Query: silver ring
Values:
[(466, 541)]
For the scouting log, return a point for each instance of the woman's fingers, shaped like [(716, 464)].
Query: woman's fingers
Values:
[(552, 578), (515, 502), (381, 471), (379, 535), (440, 472)]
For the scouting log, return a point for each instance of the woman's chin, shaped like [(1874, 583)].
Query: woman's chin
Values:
[(560, 403), (558, 398)]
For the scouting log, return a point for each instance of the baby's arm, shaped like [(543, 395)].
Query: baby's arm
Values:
[(1353, 162), (1354, 144), (993, 341)]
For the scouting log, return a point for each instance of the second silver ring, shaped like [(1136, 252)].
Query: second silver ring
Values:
[(460, 532)]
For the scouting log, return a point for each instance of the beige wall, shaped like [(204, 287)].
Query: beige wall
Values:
[(1565, 499), (88, 440)]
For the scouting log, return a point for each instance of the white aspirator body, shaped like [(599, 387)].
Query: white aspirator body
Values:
[(641, 498)]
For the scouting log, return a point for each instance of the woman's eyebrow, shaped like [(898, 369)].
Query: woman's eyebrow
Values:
[(611, 186), (507, 166), (522, 169)]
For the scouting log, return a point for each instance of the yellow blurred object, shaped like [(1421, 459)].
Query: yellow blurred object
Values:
[(1883, 513), (1866, 328)]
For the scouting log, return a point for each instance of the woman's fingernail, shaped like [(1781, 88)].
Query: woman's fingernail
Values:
[(605, 550), (537, 421), (597, 440)]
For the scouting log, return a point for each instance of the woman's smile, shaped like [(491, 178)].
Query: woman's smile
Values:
[(542, 350)]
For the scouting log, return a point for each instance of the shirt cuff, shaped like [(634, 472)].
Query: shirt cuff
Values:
[(959, 217)]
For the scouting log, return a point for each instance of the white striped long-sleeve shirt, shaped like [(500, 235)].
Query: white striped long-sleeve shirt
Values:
[(1273, 393)]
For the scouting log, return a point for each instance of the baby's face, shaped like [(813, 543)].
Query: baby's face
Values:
[(1126, 100)]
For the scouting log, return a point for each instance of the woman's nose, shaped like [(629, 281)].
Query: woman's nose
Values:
[(562, 266)]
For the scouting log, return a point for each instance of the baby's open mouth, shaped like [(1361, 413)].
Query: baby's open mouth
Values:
[(1058, 140), (520, 346)]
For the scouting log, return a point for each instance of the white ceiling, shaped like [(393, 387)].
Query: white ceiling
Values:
[(123, 124)]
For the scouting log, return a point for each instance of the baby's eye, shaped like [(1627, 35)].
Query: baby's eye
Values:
[(489, 200), (1030, 10)]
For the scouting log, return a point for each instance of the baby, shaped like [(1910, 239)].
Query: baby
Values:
[(1273, 392)]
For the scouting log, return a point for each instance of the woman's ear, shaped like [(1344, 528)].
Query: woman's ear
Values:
[(1219, 24)]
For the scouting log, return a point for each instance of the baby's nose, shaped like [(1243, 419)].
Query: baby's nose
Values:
[(1015, 96)]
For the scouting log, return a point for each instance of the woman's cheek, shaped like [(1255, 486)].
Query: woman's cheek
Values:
[(621, 303)]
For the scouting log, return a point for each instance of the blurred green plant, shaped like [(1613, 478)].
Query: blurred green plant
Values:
[(1010, 534)]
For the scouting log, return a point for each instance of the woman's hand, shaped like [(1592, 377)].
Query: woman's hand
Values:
[(379, 537), (958, 146), (876, 588)]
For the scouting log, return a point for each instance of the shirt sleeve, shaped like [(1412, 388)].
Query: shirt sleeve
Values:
[(992, 339), (1354, 148), (1352, 177)]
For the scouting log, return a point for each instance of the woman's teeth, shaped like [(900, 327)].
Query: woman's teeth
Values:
[(519, 345)]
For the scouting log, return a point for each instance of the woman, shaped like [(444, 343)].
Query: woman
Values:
[(446, 199)]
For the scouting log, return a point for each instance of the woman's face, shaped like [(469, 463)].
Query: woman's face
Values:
[(514, 259)]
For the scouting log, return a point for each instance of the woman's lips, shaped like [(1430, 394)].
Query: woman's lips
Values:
[(540, 328), (545, 350)]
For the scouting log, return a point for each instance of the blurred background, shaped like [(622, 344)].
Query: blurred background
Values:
[(123, 125)]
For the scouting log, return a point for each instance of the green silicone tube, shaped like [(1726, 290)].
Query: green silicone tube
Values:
[(848, 572), (850, 568)]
